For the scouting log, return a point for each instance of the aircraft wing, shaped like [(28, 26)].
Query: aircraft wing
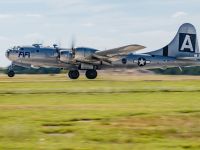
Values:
[(108, 56), (107, 59), (115, 54), (121, 50)]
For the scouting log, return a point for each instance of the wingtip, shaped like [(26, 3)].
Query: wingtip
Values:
[(141, 46), (138, 45)]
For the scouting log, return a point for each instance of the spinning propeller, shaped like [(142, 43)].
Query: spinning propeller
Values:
[(73, 49)]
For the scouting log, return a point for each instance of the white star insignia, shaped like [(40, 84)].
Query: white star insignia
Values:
[(141, 62)]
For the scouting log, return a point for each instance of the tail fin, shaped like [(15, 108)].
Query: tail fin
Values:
[(185, 44)]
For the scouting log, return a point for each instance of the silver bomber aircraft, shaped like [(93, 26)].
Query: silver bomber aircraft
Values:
[(182, 51)]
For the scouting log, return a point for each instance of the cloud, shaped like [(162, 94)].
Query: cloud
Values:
[(11, 16), (5, 16), (34, 15), (63, 4), (179, 14), (33, 35), (80, 7), (88, 24)]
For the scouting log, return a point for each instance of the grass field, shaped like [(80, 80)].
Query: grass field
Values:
[(111, 113)]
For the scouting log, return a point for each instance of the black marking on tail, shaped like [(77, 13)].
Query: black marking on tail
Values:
[(165, 51)]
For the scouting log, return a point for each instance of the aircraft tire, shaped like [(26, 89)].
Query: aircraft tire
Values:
[(91, 74), (11, 73), (73, 74)]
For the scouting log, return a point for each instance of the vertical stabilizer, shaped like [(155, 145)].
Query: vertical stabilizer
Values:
[(185, 44)]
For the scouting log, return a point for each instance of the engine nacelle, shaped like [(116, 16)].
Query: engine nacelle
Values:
[(65, 56), (84, 52)]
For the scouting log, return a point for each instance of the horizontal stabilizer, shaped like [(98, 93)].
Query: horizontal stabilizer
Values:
[(188, 58)]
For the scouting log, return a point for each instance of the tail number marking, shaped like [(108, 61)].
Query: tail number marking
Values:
[(187, 42)]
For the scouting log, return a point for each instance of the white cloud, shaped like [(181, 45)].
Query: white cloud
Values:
[(5, 16), (11, 16), (34, 15), (33, 35), (65, 3), (89, 24), (179, 14), (80, 7)]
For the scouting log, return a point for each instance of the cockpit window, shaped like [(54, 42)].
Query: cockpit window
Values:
[(16, 48)]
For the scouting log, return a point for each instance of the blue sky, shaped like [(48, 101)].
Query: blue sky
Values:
[(100, 24)]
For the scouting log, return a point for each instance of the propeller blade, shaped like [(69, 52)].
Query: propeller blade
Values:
[(73, 47)]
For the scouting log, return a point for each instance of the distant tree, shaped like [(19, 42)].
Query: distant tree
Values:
[(177, 71), (2, 70), (169, 71)]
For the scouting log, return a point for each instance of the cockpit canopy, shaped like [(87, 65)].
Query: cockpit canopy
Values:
[(15, 48), (21, 48), (37, 45)]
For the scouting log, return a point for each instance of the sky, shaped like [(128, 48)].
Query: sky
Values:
[(100, 24)]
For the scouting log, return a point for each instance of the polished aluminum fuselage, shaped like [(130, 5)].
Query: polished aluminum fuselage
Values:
[(183, 50), (49, 57)]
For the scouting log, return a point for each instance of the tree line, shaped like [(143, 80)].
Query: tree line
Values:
[(22, 70), (169, 71)]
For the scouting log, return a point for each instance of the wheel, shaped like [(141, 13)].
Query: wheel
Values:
[(73, 74), (11, 73), (91, 74)]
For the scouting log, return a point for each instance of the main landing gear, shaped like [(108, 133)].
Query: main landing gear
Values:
[(90, 74), (73, 74)]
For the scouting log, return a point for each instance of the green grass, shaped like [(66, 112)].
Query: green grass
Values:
[(146, 112)]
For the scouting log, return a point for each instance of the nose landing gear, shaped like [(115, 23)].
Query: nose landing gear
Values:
[(11, 73)]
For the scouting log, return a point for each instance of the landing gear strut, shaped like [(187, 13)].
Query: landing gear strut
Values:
[(91, 74), (11, 72), (73, 74)]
